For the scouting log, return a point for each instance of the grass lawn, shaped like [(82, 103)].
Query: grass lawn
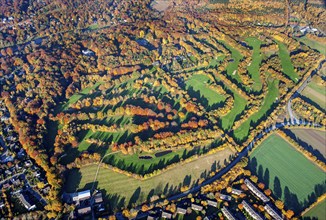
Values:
[(313, 44), (318, 212), (253, 69), (317, 93), (119, 187), (286, 63), (296, 175), (200, 84), (243, 130), (233, 66)]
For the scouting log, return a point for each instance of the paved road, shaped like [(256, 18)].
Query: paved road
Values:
[(9, 178), (98, 167), (293, 118)]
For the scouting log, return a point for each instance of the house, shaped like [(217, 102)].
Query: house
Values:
[(196, 207), (251, 211), (80, 196), (225, 197), (181, 210), (152, 217), (166, 215), (256, 191), (212, 203), (84, 211), (87, 52), (98, 197), (2, 204), (236, 192), (272, 212), (228, 215), (24, 200)]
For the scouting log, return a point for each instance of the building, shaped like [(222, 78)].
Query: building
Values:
[(212, 203), (251, 211), (272, 212), (25, 202), (236, 192), (80, 196), (84, 211), (228, 214), (196, 207), (225, 197), (166, 215), (181, 210), (256, 191), (98, 197)]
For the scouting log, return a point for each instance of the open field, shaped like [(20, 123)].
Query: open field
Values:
[(315, 138), (317, 212), (313, 44), (291, 176), (128, 189), (200, 84), (316, 92), (286, 62), (242, 132), (254, 66)]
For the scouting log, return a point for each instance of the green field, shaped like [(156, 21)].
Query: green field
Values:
[(286, 62), (318, 211), (313, 44), (127, 189), (253, 68), (243, 130), (233, 65), (293, 170), (200, 84), (317, 93)]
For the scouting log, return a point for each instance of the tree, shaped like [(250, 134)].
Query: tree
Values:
[(279, 204)]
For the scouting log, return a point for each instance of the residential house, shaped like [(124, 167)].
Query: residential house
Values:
[(256, 191), (196, 207), (98, 197), (227, 214), (166, 215), (84, 211), (272, 212), (25, 201), (236, 192), (251, 211), (225, 197), (80, 196), (181, 210), (212, 203)]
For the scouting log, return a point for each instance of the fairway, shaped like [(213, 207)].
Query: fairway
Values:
[(294, 171), (200, 84), (131, 190), (286, 62), (254, 66), (319, 211), (243, 130)]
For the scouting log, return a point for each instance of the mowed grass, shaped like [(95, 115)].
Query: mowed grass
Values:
[(316, 93), (200, 83), (130, 190), (318, 212), (315, 138), (236, 56), (293, 169), (253, 68), (273, 93), (286, 63)]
